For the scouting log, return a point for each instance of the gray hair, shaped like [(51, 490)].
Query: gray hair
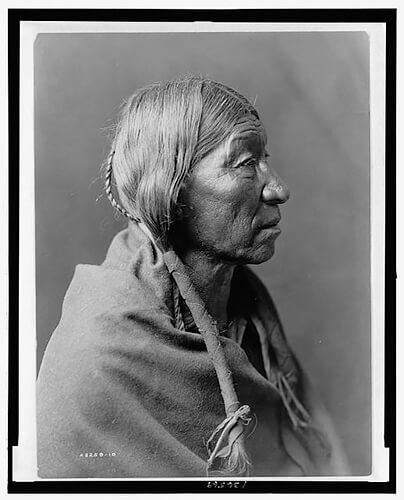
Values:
[(164, 130)]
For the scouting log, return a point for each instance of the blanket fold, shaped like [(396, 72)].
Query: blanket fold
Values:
[(122, 392)]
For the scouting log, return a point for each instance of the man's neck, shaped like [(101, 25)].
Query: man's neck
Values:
[(212, 280)]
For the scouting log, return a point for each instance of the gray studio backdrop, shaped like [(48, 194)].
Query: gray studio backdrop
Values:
[(312, 92)]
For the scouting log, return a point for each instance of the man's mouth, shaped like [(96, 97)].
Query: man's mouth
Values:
[(272, 223)]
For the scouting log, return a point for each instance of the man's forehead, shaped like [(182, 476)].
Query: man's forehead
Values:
[(248, 128)]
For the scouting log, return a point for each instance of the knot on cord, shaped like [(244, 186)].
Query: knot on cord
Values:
[(228, 447)]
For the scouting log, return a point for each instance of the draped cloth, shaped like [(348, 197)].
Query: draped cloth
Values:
[(124, 393)]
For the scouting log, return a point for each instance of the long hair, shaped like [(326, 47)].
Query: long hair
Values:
[(164, 130)]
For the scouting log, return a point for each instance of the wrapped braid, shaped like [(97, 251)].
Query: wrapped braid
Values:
[(108, 187), (228, 456), (230, 449)]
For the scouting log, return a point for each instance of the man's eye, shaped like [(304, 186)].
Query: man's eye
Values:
[(251, 162)]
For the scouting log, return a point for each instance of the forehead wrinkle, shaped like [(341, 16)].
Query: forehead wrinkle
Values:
[(248, 124), (242, 135)]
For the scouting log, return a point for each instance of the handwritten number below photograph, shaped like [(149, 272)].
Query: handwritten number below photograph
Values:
[(226, 484)]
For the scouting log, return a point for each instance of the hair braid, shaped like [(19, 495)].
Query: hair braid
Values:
[(108, 187)]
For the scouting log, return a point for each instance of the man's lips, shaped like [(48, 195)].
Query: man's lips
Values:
[(271, 223)]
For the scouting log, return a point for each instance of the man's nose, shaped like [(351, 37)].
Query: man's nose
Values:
[(275, 190)]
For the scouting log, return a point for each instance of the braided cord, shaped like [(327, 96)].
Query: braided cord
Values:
[(179, 321), (108, 187)]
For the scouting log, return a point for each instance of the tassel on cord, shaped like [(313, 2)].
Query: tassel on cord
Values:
[(282, 380), (299, 417), (229, 451), (237, 464)]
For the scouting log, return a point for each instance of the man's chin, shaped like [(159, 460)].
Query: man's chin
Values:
[(261, 260), (259, 255)]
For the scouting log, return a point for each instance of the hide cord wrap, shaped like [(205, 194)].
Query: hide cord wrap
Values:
[(225, 447), (230, 434), (230, 444), (229, 449)]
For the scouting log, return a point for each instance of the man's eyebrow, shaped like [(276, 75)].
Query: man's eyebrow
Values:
[(253, 138), (232, 152)]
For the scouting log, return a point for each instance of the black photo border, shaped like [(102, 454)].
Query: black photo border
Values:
[(387, 16)]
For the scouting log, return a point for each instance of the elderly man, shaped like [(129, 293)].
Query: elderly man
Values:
[(170, 359)]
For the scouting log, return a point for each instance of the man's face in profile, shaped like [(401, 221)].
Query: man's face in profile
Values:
[(231, 199)]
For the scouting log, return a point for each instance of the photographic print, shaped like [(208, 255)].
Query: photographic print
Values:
[(202, 240)]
